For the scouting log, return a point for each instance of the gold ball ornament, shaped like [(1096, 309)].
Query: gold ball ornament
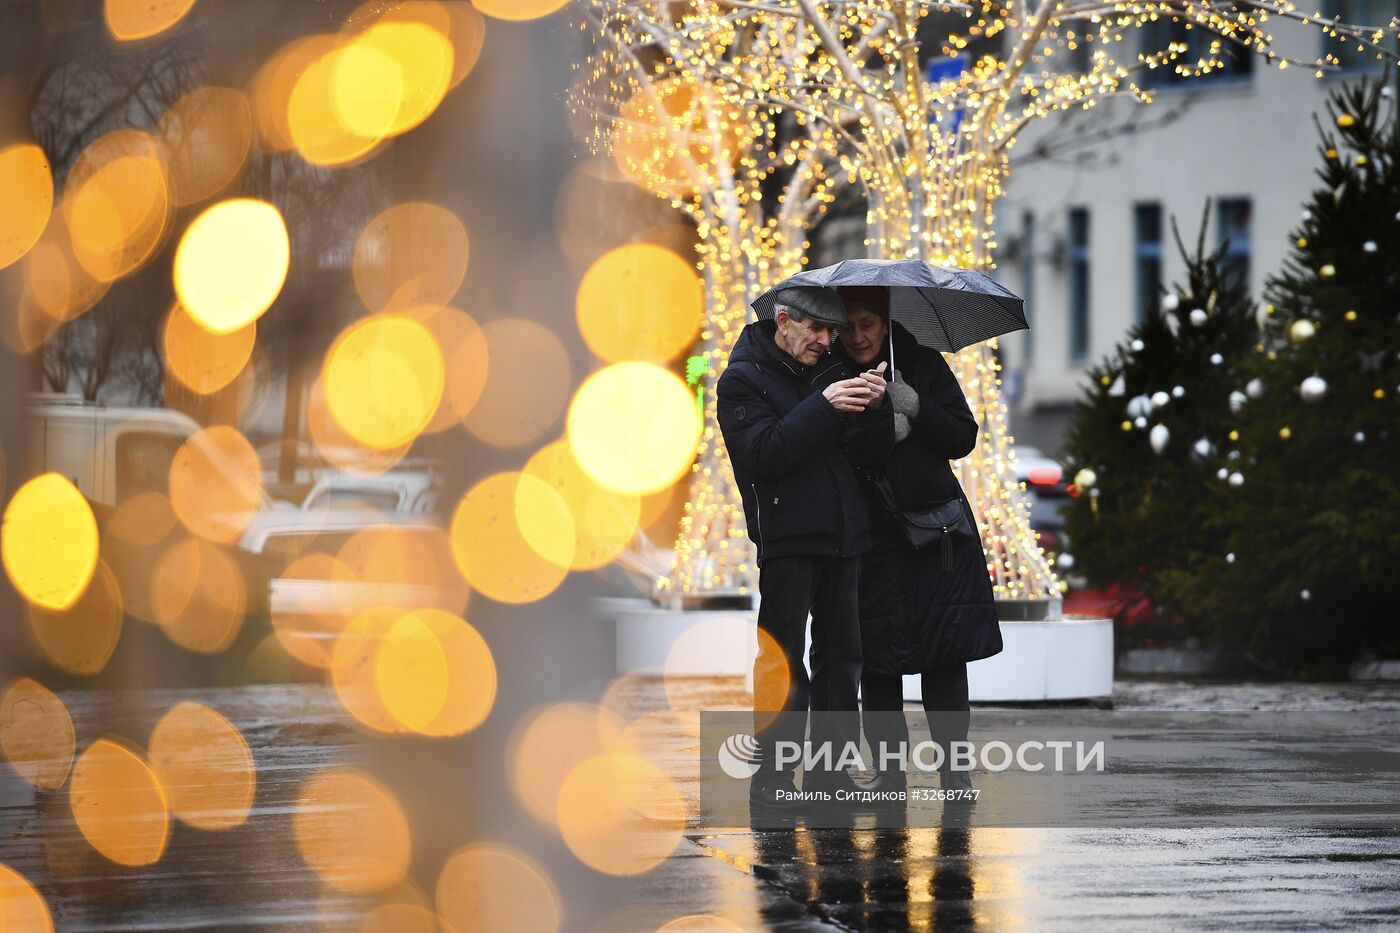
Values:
[(1285, 433), (1345, 120), (1234, 436), (1327, 271), (1302, 242), (1378, 394), (1331, 153), (1350, 315), (1301, 330), (1126, 425), (1362, 160)]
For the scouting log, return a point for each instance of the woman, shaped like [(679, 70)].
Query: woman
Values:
[(924, 611)]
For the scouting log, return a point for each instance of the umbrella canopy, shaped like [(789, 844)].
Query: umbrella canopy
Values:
[(946, 309)]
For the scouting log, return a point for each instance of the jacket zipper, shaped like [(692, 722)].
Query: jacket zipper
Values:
[(758, 506)]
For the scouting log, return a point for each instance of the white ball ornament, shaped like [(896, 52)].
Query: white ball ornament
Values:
[(1178, 391), (1160, 398), (1086, 478), (1216, 359), (1139, 406), (1370, 246), (1198, 317), (1230, 558), (1222, 474), (1139, 422), (1237, 400), (1359, 437), (1158, 437), (1233, 455), (1254, 388), (1307, 215), (1305, 595), (1203, 448), (1313, 388), (1170, 303), (1065, 561), (1137, 345), (1237, 479), (1118, 388), (1300, 330)]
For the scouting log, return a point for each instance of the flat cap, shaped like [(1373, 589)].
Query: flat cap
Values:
[(816, 302)]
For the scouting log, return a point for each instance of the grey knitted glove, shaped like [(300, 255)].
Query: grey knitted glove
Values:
[(901, 427), (903, 397)]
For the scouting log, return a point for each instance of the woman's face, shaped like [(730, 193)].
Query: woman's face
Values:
[(865, 335)]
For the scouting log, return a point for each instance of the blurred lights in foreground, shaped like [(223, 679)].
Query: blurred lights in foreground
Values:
[(206, 136), (129, 20), (117, 204), (205, 766), (619, 814), (604, 522), (216, 483), (49, 542), (383, 380), (519, 9), (202, 361), (21, 906), (634, 427), (351, 831), (199, 596), (493, 549), (36, 734), (700, 923), (527, 384), (493, 887), (231, 264), (550, 743), (119, 804), (28, 201), (466, 361), (640, 302), (414, 253), (81, 638)]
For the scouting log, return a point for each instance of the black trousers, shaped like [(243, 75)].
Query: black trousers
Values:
[(792, 588), (945, 702)]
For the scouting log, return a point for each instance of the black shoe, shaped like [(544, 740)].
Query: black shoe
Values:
[(889, 782), (832, 782), (775, 794)]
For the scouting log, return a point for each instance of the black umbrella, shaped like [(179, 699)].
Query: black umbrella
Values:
[(946, 309)]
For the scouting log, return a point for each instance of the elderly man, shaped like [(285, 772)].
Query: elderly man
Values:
[(793, 415)]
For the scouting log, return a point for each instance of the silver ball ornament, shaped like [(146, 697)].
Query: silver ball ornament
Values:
[(1313, 388), (1198, 317)]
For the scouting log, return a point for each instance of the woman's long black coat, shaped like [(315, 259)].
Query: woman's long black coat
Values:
[(914, 615)]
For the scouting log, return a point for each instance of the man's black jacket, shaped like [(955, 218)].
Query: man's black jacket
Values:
[(792, 451)]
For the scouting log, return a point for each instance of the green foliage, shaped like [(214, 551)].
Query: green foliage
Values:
[(1145, 513), (1299, 563)]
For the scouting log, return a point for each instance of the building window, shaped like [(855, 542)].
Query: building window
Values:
[(1078, 283), (1236, 61), (1147, 257), (1348, 54), (1027, 261), (1232, 232)]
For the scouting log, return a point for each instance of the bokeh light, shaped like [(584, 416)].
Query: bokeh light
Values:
[(519, 9), (272, 87), (198, 596), (202, 361), (410, 672), (366, 89), (22, 907), (36, 734), (25, 211), (550, 743), (421, 55), (129, 20), (117, 203), (598, 209), (216, 483), (383, 380), (404, 567), (640, 302), (119, 804), (413, 253), (601, 819), (351, 831), (493, 887), (634, 427), (231, 264), (701, 923), (493, 551), (604, 521), (81, 638), (353, 668), (673, 134), (335, 445), (527, 386), (322, 109), (142, 520), (205, 766), (308, 633), (400, 918), (206, 136), (54, 279), (465, 356), (49, 542)]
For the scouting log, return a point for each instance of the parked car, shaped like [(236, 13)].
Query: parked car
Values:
[(417, 492), (1048, 489)]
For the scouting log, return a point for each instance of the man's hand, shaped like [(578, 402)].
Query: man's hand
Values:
[(851, 394), (875, 378)]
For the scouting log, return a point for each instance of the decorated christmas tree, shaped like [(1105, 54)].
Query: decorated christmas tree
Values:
[(1144, 437), (1303, 522)]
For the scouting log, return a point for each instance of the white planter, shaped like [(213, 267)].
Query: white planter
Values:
[(1060, 659)]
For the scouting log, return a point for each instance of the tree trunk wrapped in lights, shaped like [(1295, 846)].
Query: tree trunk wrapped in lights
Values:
[(931, 156)]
